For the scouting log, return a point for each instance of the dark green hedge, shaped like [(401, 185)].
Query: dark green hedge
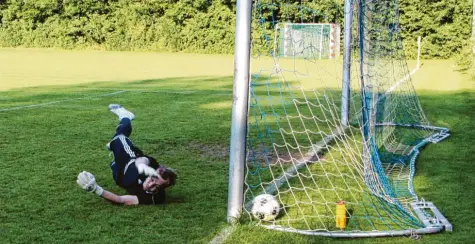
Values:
[(153, 25), (445, 26), (203, 26)]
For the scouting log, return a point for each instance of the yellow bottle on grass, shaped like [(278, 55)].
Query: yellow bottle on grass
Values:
[(341, 215)]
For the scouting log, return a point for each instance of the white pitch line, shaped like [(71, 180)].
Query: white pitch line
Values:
[(404, 79), (109, 94), (59, 101), (223, 235)]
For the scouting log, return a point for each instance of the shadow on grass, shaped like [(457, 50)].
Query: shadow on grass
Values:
[(197, 82), (204, 84)]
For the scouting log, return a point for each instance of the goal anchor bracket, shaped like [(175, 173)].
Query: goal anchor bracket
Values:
[(439, 137), (430, 219)]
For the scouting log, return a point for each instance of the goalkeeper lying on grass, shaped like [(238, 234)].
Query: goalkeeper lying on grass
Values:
[(140, 175)]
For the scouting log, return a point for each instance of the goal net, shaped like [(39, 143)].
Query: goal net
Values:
[(299, 150)]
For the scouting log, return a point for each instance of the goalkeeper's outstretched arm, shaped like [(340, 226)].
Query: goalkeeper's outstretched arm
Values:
[(124, 199), (87, 181)]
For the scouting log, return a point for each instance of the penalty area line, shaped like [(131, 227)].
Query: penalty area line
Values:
[(59, 101)]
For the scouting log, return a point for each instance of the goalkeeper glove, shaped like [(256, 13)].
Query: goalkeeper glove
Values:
[(87, 181), (146, 170)]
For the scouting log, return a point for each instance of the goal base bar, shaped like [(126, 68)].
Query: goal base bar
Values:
[(421, 208), (357, 234)]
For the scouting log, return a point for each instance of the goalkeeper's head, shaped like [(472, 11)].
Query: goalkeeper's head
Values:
[(167, 178)]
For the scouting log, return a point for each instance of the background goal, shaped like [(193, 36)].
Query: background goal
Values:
[(321, 41)]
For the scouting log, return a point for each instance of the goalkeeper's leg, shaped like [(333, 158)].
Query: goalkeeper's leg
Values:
[(123, 151), (124, 128)]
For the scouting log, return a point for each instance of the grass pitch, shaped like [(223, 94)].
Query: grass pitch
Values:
[(59, 126)]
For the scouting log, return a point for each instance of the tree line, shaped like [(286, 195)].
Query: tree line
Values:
[(205, 26)]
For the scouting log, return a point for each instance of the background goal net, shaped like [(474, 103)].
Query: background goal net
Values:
[(308, 39)]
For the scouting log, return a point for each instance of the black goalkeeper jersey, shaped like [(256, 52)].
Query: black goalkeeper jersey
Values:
[(124, 170)]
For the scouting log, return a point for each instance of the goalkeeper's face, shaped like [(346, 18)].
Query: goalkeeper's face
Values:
[(154, 184)]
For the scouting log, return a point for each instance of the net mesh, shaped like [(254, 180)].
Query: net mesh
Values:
[(298, 149)]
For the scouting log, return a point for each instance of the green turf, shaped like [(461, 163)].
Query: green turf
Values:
[(44, 148), (185, 122)]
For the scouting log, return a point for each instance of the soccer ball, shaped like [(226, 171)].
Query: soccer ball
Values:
[(265, 207)]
